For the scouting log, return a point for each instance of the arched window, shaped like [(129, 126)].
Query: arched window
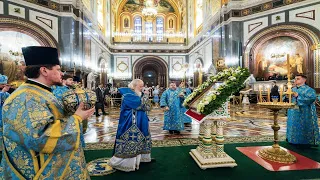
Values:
[(149, 31), (100, 13), (171, 23), (199, 13), (126, 22), (137, 28), (159, 29)]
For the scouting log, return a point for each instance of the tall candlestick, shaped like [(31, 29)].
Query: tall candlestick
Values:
[(281, 92), (260, 93), (268, 93)]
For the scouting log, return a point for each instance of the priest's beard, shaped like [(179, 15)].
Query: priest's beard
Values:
[(139, 93)]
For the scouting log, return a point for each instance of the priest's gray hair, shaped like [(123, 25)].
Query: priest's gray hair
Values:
[(134, 83)]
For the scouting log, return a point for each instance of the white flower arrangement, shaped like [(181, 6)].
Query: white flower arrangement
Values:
[(232, 81)]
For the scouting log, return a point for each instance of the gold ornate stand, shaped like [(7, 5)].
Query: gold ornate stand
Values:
[(275, 153)]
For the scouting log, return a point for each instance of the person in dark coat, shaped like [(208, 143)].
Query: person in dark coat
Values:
[(274, 91), (100, 93)]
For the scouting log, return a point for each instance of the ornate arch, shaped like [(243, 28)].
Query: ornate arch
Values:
[(155, 62), (29, 28), (309, 38)]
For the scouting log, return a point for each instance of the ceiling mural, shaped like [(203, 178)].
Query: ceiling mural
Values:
[(162, 6)]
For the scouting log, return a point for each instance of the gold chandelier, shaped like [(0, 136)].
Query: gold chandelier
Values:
[(149, 12)]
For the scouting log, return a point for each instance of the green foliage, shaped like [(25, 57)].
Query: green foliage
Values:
[(233, 80)]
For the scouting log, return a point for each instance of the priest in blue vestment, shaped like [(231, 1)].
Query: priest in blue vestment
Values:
[(133, 139), (171, 102), (3, 96), (184, 92), (302, 123), (67, 82), (40, 140), (58, 91)]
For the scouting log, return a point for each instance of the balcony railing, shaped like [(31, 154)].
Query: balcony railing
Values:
[(149, 38)]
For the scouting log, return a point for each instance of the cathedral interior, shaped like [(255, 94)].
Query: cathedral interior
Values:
[(112, 42)]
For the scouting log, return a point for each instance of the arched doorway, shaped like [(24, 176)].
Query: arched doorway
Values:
[(266, 52), (17, 33), (150, 76), (103, 72), (152, 70), (29, 28)]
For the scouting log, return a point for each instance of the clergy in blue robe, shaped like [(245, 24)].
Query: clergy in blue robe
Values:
[(184, 91), (58, 91), (302, 123), (67, 82), (3, 96), (39, 140), (171, 102), (133, 140)]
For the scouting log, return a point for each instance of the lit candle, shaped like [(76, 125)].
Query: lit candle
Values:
[(288, 67), (289, 92), (268, 93), (281, 92), (260, 93)]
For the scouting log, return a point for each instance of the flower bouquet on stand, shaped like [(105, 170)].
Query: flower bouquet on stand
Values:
[(208, 105), (212, 94)]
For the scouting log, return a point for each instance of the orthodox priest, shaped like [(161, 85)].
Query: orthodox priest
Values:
[(133, 140), (67, 83), (184, 91), (302, 123), (171, 103), (40, 142)]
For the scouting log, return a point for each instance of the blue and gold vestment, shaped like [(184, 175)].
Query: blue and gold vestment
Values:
[(3, 97), (40, 142), (58, 91), (172, 118), (133, 139), (186, 92), (302, 123)]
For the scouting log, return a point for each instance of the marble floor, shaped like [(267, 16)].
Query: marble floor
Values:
[(245, 122)]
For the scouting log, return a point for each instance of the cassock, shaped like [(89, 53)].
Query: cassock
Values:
[(186, 92), (40, 142), (302, 123), (172, 117), (133, 140)]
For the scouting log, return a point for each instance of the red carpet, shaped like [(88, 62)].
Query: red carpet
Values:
[(301, 164)]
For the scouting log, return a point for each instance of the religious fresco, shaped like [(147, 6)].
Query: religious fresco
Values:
[(271, 59), (161, 6)]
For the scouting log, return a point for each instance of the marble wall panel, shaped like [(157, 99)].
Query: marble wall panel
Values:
[(48, 22), (17, 11)]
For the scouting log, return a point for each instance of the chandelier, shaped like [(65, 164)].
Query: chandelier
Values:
[(149, 12)]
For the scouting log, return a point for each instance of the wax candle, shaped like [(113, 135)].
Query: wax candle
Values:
[(289, 92), (281, 92), (260, 93), (268, 93)]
